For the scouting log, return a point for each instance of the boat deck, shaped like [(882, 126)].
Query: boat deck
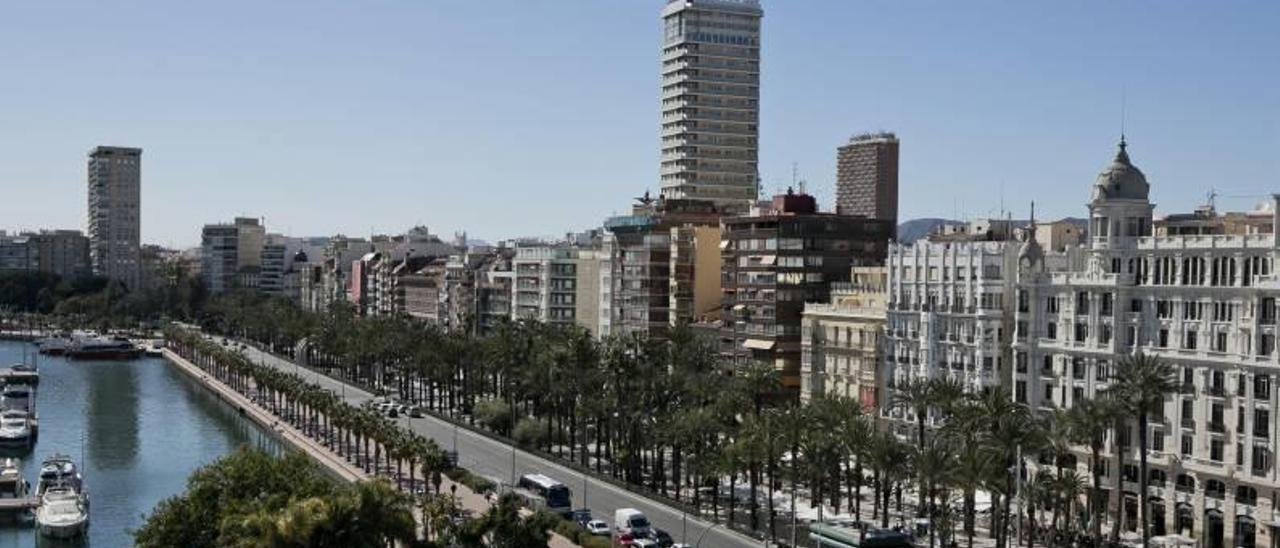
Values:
[(9, 375)]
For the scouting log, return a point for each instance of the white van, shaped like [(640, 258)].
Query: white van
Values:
[(630, 520)]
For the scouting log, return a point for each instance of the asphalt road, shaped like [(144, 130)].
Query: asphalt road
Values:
[(496, 460)]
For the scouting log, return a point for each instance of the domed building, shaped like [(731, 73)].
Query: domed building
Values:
[(1203, 303)]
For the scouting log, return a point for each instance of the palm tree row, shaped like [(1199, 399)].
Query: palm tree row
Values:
[(665, 415), (359, 435)]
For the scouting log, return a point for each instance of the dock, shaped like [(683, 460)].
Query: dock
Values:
[(15, 504)]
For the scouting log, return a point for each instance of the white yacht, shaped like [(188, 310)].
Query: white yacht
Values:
[(12, 484), (59, 471), (63, 513), (18, 397), (15, 428)]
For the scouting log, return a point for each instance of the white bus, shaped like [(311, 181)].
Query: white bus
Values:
[(544, 493)]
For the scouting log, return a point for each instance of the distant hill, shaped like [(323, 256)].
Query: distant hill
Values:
[(916, 229)]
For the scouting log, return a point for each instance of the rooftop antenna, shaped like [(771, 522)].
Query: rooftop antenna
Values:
[(1122, 113)]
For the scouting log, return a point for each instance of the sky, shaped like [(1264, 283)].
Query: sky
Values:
[(510, 118)]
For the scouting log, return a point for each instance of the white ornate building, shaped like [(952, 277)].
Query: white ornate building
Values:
[(1204, 302)]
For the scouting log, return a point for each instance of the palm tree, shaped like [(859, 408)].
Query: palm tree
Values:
[(1089, 422), (1147, 381), (917, 395)]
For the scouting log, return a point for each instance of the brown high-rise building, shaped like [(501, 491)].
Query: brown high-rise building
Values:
[(867, 177)]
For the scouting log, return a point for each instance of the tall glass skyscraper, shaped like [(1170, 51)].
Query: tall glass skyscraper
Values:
[(711, 101)]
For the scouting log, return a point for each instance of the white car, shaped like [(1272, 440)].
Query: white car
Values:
[(598, 527)]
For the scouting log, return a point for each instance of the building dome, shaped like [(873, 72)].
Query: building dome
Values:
[(300, 256), (1121, 180)]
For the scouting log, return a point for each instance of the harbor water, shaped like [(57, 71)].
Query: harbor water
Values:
[(137, 428)]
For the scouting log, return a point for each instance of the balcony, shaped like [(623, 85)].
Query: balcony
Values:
[(1217, 426), (1216, 391)]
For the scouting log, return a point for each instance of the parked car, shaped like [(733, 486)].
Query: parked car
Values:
[(581, 516), (598, 527), (416, 412)]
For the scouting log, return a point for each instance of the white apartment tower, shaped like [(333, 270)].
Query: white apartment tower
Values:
[(711, 100), (115, 208)]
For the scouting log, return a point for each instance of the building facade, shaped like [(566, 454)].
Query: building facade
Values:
[(867, 177), (646, 249), (61, 252), (775, 262), (711, 101), (1198, 292), (115, 213), (842, 340), (949, 315)]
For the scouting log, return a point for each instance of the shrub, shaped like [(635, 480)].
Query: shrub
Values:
[(472, 481), (530, 432), (571, 531), (587, 540), (494, 415)]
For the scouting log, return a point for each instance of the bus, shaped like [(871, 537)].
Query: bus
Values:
[(544, 493)]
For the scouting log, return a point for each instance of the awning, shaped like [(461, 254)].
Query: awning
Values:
[(757, 344), (768, 259), (724, 244)]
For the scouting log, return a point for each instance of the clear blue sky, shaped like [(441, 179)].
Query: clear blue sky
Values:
[(510, 118)]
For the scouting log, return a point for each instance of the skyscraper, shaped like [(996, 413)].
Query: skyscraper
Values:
[(867, 177), (115, 203), (711, 101)]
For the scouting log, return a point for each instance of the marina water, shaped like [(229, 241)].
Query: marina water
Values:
[(137, 428)]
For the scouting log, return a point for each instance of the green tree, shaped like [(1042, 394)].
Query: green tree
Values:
[(1146, 381)]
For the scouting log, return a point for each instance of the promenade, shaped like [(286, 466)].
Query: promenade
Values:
[(339, 466)]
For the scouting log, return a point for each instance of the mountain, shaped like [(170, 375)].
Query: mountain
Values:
[(916, 229)]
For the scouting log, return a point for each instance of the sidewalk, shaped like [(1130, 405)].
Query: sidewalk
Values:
[(468, 499)]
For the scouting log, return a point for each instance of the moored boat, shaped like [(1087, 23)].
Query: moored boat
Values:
[(15, 428), (12, 484), (63, 513), (59, 471), (103, 349)]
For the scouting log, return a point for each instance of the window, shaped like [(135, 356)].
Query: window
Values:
[(1217, 382), (1186, 447), (1022, 299), (1135, 305), (1051, 305), (1020, 361), (1082, 302), (1157, 440), (1262, 387), (1246, 495), (1046, 366), (1104, 335), (1268, 345), (1188, 376), (1082, 332), (1020, 391), (1215, 489), (1156, 477), (1261, 459), (1220, 342), (1163, 340), (1189, 339), (1187, 412), (1131, 472), (1186, 483), (1215, 451), (1048, 395), (1051, 331), (1077, 368), (1100, 370), (1261, 423)]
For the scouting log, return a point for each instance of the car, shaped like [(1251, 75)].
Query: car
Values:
[(416, 412), (598, 527), (581, 516), (663, 538), (393, 412)]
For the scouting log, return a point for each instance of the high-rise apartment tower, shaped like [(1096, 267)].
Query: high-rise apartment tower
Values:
[(711, 101), (115, 211), (867, 177)]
